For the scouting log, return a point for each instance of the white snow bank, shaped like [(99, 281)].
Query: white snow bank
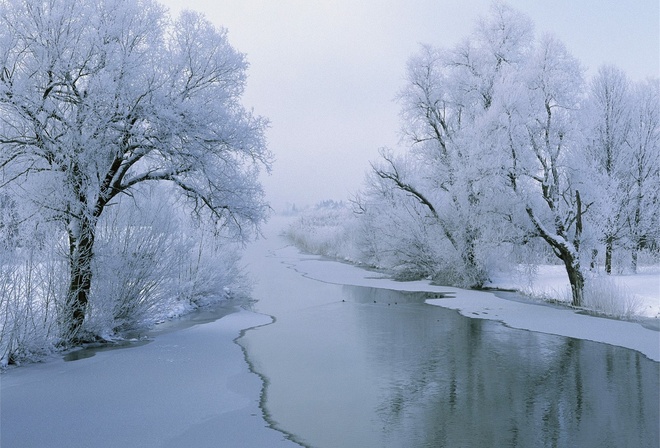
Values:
[(549, 281), (485, 305), (187, 388)]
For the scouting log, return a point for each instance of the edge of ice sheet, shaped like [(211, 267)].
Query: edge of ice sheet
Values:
[(486, 305), (190, 387)]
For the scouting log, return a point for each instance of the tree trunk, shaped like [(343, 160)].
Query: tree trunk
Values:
[(637, 248), (568, 252), (575, 278), (81, 247), (474, 272), (609, 243), (594, 258)]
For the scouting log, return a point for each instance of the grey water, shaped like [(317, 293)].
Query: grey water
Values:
[(368, 367)]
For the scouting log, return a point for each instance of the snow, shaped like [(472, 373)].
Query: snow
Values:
[(186, 388), (486, 305), (551, 281)]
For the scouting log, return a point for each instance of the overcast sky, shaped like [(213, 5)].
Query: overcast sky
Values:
[(325, 72)]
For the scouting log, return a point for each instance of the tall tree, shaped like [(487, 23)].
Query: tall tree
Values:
[(447, 93), (606, 125), (643, 162), (99, 97), (536, 115), (494, 121)]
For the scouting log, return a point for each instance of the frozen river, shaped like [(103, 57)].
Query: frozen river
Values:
[(349, 366)]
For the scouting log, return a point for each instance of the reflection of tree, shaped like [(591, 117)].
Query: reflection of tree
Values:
[(447, 380)]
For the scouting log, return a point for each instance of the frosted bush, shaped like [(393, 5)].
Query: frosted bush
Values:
[(604, 295), (210, 270), (31, 294), (402, 241), (132, 278), (328, 230), (152, 264)]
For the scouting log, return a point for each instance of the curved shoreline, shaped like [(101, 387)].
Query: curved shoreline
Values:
[(486, 305), (186, 387), (263, 394)]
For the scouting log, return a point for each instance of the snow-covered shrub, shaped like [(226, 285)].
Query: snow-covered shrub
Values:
[(401, 240), (328, 229), (133, 275), (32, 291), (210, 270), (150, 264), (603, 295)]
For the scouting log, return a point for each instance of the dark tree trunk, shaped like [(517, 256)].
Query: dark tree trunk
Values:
[(609, 243), (594, 258), (567, 251), (475, 272), (639, 241), (81, 247), (575, 278), (640, 244)]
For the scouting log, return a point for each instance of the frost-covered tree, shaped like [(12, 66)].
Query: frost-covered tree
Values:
[(401, 230), (446, 95), (536, 117), (101, 97), (643, 162), (622, 130), (606, 127), (491, 125)]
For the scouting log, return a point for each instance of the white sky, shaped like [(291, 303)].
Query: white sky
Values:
[(325, 72)]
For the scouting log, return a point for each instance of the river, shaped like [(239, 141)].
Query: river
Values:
[(340, 366), (349, 366)]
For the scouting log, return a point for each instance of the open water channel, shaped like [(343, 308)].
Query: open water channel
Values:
[(348, 366)]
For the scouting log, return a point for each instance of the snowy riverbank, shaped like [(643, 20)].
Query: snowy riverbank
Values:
[(190, 387), (486, 305), (638, 294)]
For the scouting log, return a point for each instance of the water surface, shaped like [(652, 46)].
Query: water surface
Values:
[(352, 366)]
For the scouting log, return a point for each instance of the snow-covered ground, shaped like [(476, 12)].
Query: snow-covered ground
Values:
[(186, 388), (529, 316), (641, 291)]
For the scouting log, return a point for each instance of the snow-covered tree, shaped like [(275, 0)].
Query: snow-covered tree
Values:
[(643, 162), (606, 126), (492, 125), (447, 94), (99, 98), (537, 115), (401, 230)]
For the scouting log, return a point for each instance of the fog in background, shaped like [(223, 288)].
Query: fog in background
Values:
[(326, 72)]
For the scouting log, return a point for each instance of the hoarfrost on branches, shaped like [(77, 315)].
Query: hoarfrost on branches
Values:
[(512, 156), (102, 100)]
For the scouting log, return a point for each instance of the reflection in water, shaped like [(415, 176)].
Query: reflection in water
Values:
[(444, 380)]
